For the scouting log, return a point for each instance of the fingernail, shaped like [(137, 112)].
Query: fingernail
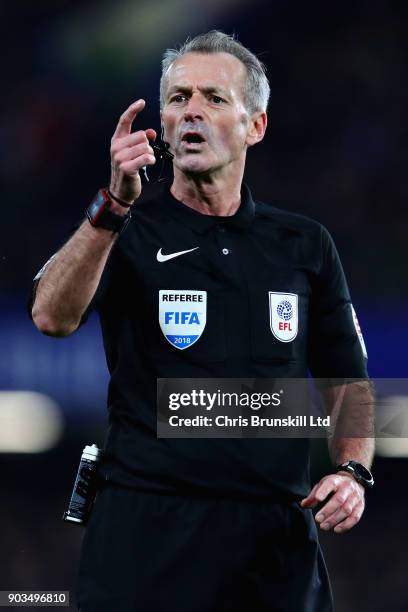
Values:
[(325, 525), (319, 517)]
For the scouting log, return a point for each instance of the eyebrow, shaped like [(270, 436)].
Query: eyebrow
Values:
[(208, 89)]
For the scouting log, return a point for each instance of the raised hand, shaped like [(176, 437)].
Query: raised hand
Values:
[(130, 152)]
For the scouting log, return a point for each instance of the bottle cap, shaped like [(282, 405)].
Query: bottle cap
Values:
[(91, 452)]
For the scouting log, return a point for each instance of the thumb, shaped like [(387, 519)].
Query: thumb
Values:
[(307, 502), (310, 499)]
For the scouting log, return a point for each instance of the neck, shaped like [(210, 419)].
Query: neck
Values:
[(208, 194)]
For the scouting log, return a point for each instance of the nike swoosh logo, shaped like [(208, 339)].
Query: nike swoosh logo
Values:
[(161, 257)]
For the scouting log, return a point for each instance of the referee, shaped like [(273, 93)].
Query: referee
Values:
[(207, 525)]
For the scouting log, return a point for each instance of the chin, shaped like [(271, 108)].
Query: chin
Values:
[(194, 165)]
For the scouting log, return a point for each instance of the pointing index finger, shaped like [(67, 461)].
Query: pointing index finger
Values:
[(125, 122)]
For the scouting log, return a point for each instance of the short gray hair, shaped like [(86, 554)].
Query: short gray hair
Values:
[(256, 88)]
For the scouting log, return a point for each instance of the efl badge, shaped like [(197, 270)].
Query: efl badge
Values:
[(283, 310), (358, 330), (182, 316)]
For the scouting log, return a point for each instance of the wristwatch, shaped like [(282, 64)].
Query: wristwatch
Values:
[(99, 215), (359, 472)]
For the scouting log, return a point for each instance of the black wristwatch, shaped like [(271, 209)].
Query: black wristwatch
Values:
[(360, 473), (99, 215)]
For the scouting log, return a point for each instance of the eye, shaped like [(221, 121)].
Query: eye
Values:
[(178, 98), (216, 99)]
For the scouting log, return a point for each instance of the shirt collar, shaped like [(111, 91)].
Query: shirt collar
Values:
[(201, 223)]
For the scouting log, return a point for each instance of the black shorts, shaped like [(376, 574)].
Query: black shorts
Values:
[(144, 552)]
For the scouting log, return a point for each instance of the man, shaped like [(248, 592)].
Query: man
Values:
[(207, 524)]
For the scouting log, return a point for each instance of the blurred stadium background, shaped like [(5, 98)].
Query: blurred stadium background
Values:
[(336, 150)]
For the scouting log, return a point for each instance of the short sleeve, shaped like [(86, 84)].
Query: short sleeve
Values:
[(335, 344)]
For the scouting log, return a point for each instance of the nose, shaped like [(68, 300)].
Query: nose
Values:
[(193, 110)]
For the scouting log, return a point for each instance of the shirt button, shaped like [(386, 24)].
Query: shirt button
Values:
[(225, 251)]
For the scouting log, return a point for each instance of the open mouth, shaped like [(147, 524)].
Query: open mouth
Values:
[(192, 138)]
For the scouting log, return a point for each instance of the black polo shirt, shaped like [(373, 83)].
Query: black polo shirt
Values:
[(248, 267)]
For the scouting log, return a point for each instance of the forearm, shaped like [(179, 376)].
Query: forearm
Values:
[(352, 411), (70, 280), (355, 449)]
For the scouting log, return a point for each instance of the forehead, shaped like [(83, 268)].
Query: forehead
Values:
[(202, 69)]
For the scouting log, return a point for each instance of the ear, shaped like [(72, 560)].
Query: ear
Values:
[(256, 128)]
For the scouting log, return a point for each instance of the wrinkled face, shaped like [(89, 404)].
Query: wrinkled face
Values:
[(204, 118)]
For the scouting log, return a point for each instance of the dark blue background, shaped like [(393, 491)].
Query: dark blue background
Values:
[(335, 149)]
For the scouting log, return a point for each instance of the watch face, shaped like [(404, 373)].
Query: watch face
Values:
[(362, 471), (94, 208), (97, 206)]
